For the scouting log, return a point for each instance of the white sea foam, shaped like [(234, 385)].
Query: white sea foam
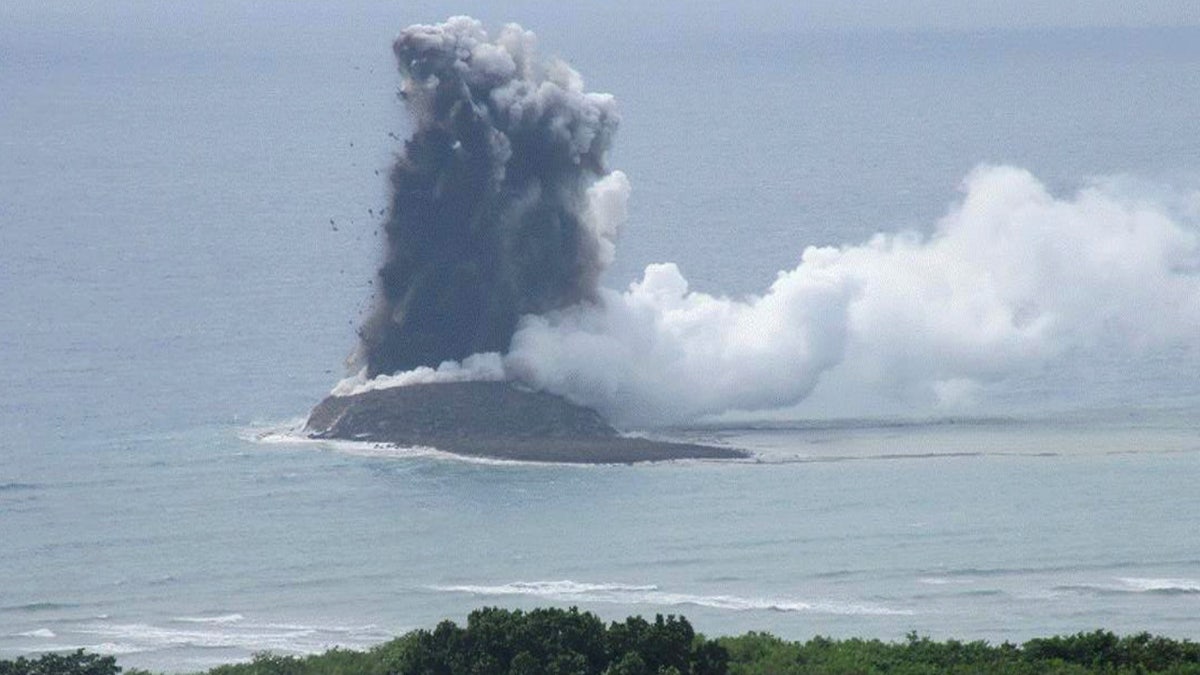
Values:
[(292, 433), (224, 618), (287, 432), (156, 637), (1135, 585), (943, 581), (39, 633), (1152, 585), (1038, 594), (572, 591), (548, 588), (115, 648), (231, 631)]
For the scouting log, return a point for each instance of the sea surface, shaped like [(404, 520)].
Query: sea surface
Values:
[(188, 234)]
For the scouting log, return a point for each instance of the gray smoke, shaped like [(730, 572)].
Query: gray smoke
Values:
[(491, 215), (504, 217)]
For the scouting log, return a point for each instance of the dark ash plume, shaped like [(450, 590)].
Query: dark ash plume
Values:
[(490, 206)]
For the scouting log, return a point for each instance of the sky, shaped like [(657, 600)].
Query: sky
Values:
[(70, 18), (768, 15), (172, 65)]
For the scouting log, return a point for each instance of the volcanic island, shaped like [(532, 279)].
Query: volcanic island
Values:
[(497, 420), (502, 207)]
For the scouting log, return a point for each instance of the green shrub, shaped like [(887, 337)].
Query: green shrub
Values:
[(74, 663), (569, 642)]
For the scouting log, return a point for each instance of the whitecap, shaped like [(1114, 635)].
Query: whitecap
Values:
[(941, 581), (224, 618), (572, 591), (292, 433), (1152, 585), (229, 631), (115, 648), (545, 588)]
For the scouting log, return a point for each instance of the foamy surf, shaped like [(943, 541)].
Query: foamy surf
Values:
[(229, 631), (1137, 586), (943, 581), (292, 433), (224, 618), (571, 591), (115, 648), (1144, 585)]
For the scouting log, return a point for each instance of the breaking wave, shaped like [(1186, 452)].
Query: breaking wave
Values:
[(224, 618), (230, 631), (1136, 585), (37, 633), (292, 433), (571, 591)]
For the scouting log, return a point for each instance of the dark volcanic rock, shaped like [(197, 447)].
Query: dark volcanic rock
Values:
[(492, 419)]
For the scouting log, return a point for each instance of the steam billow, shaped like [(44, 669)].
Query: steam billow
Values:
[(504, 216), (491, 216)]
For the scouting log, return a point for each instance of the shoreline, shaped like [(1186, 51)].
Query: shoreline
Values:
[(598, 451), (539, 639), (493, 420)]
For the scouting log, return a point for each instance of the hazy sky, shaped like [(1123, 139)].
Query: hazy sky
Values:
[(870, 14), (680, 15)]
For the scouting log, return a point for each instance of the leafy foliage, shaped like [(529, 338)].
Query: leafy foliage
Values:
[(1096, 652), (512, 642), (74, 663), (561, 642), (569, 642)]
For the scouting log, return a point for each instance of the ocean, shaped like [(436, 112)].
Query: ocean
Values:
[(188, 237)]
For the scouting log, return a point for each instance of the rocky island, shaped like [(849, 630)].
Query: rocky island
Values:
[(499, 420), (495, 215)]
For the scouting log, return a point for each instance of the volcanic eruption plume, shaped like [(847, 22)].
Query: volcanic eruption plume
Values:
[(501, 203), (504, 216)]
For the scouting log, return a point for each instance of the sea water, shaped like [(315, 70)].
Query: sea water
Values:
[(187, 239)]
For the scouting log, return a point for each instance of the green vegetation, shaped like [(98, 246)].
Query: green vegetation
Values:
[(1097, 652), (504, 642), (73, 663), (569, 642)]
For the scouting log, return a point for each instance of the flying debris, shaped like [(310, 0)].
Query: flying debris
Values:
[(501, 207), (490, 213), (503, 215)]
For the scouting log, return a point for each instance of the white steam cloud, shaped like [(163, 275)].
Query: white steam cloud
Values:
[(1011, 279)]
